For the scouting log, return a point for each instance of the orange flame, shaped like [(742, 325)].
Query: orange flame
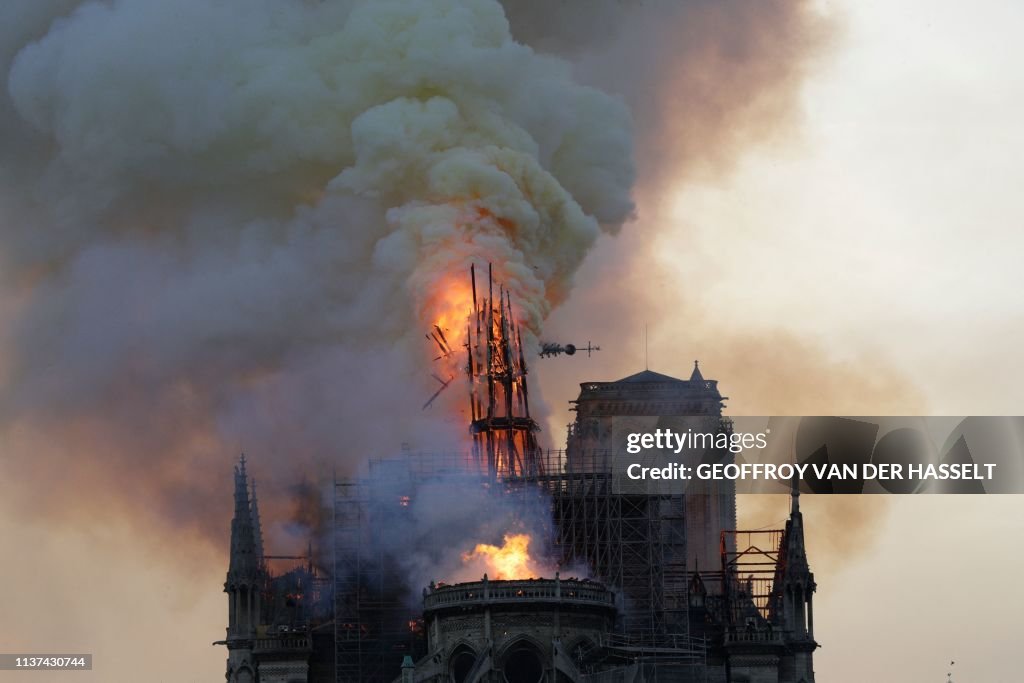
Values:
[(448, 309), (452, 304), (510, 561)]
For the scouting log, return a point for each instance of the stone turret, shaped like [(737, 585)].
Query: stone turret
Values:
[(798, 588), (695, 376), (243, 565), (243, 583)]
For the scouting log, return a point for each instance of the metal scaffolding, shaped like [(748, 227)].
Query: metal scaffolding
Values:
[(374, 627), (749, 584), (633, 543), (636, 543)]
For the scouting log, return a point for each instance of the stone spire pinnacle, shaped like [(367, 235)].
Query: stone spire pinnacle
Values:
[(794, 508), (796, 553), (241, 486), (242, 564), (256, 528), (695, 376)]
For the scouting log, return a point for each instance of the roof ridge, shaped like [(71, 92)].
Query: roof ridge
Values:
[(649, 376)]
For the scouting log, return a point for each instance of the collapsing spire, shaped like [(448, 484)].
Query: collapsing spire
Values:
[(504, 434)]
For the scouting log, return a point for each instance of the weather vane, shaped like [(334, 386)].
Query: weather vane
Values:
[(550, 350)]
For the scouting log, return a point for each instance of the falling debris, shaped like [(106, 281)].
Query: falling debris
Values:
[(437, 335), (444, 385)]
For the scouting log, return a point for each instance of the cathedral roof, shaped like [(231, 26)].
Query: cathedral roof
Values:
[(651, 386), (648, 376)]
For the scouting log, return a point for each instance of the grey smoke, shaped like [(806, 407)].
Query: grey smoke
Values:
[(216, 216)]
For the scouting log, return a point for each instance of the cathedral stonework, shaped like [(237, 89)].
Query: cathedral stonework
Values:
[(673, 594)]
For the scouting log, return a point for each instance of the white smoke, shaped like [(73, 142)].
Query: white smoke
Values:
[(225, 220)]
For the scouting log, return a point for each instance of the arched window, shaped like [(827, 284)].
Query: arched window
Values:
[(460, 663), (523, 663)]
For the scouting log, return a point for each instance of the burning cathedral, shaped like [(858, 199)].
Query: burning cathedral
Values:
[(565, 578)]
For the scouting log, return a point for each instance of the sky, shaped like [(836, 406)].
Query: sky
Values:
[(864, 259), (886, 223), (894, 223)]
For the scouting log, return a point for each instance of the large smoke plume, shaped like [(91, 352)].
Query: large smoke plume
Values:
[(233, 221)]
